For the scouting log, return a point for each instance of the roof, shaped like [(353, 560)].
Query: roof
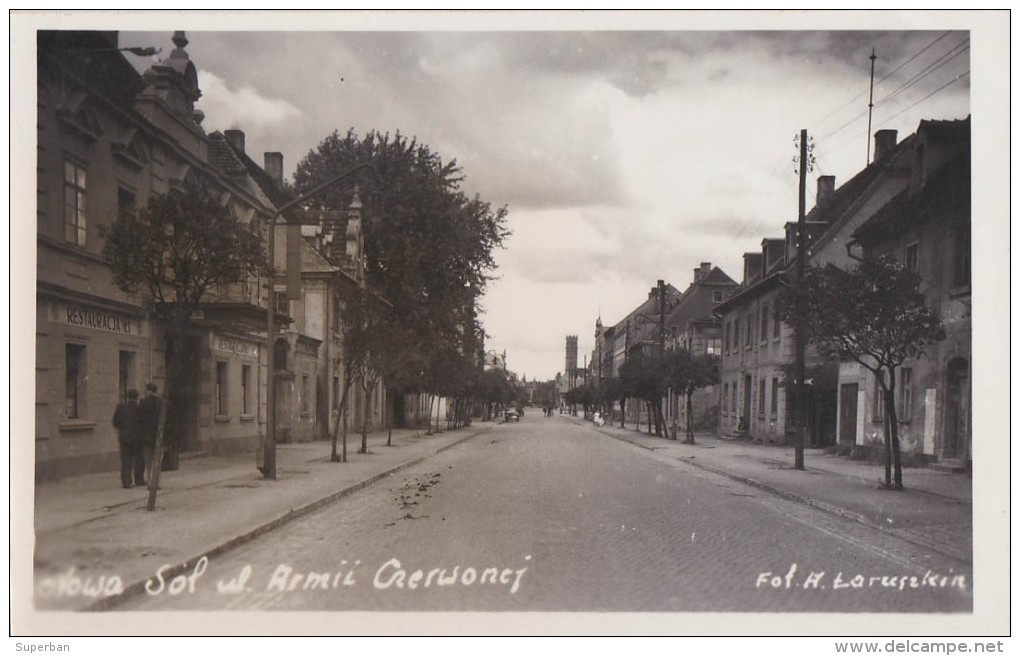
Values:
[(834, 214), (945, 198), (751, 292), (715, 276)]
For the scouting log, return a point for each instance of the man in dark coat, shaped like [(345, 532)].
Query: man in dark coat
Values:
[(148, 411), (127, 422)]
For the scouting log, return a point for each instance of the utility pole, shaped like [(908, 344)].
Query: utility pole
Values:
[(800, 408), (871, 105)]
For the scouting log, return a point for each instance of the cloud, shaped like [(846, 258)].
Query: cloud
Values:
[(228, 106)]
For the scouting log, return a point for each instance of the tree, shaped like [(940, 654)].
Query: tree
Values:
[(428, 246), (643, 376), (173, 252), (873, 315), (686, 373)]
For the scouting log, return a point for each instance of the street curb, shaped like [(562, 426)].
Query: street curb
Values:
[(138, 587), (797, 498)]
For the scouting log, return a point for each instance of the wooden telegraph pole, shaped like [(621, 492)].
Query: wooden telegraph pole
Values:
[(800, 407)]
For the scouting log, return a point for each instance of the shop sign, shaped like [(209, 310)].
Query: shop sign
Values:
[(231, 345), (100, 320)]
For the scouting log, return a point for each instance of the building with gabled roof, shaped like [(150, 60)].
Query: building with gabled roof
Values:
[(926, 227), (108, 139), (757, 348), (692, 325)]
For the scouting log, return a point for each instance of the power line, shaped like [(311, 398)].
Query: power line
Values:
[(931, 68), (953, 81), (928, 70), (887, 76)]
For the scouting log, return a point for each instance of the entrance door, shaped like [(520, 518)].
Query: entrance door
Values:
[(848, 413), (957, 427)]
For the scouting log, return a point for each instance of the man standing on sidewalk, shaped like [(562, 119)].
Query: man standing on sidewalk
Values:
[(148, 411), (127, 422)]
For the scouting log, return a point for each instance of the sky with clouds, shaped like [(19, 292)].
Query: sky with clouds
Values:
[(624, 153)]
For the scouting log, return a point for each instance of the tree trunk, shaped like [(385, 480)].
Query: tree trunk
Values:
[(887, 435), (341, 418), (890, 408), (690, 412), (366, 408), (623, 411), (389, 417), (176, 332)]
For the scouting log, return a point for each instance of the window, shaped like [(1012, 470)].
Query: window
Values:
[(761, 396), (774, 407), (245, 389), (775, 324), (736, 334), (221, 389), (878, 401), (74, 203), (961, 257), (726, 336), (725, 395), (304, 394), (733, 397), (125, 205), (717, 296), (910, 256), (764, 322), (906, 405), (125, 377), (74, 389), (283, 305), (714, 346), (749, 333)]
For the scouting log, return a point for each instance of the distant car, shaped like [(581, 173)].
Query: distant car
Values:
[(511, 415)]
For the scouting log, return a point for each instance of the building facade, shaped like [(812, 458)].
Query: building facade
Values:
[(693, 326), (926, 227), (758, 350), (108, 140)]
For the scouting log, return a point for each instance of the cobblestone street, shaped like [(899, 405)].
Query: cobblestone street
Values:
[(549, 515)]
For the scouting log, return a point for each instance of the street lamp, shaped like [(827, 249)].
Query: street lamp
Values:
[(269, 454)]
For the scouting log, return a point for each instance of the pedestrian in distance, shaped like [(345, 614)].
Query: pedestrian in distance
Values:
[(148, 410), (127, 422)]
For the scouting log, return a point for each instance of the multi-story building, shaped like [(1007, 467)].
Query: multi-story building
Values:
[(926, 227), (639, 331), (692, 325), (109, 139), (757, 348)]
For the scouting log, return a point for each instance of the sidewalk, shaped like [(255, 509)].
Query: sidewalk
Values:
[(90, 529), (933, 510)]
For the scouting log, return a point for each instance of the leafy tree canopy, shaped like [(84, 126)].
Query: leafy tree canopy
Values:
[(429, 247), (179, 247), (874, 315)]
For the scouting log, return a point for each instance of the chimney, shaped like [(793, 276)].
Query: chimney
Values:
[(885, 141), (236, 139), (703, 270), (826, 187), (274, 167)]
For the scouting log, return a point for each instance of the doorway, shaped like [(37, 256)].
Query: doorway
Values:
[(848, 413), (957, 427)]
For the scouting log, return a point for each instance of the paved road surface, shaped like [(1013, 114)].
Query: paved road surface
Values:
[(546, 515)]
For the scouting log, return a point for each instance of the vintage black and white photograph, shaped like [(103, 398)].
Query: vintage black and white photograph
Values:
[(592, 318)]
